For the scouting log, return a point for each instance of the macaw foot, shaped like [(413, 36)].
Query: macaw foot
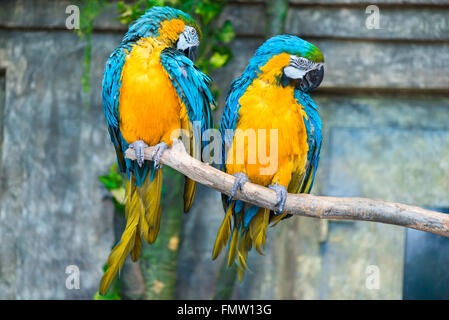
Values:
[(139, 147), (157, 153), (281, 196), (240, 179)]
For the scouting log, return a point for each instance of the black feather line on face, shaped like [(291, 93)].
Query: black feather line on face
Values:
[(192, 53)]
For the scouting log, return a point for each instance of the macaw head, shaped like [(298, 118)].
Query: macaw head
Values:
[(171, 27), (287, 60)]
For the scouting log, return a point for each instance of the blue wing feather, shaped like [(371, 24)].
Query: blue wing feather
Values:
[(192, 86), (228, 122), (111, 95), (230, 114), (190, 83), (314, 139)]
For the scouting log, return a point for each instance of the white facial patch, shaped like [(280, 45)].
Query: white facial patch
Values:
[(294, 73), (188, 38), (299, 66)]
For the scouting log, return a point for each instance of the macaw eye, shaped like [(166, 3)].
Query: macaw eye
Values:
[(191, 36)]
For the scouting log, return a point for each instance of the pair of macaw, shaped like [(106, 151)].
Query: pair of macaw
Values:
[(152, 89)]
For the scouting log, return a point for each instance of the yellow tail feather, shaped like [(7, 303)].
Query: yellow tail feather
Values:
[(120, 251), (240, 274), (244, 246), (258, 229), (233, 247), (135, 253), (134, 205), (243, 252), (131, 198), (143, 214), (150, 195), (275, 219), (129, 191), (223, 233), (144, 226), (189, 193), (153, 232), (152, 216), (243, 239), (266, 220)]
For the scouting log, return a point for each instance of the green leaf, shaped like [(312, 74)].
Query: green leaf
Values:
[(130, 12), (226, 34), (113, 180), (120, 5), (207, 11), (107, 296), (219, 59)]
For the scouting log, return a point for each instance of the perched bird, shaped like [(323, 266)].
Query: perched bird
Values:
[(151, 91), (271, 96)]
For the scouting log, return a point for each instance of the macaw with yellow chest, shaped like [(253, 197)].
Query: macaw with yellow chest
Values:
[(152, 91), (270, 97)]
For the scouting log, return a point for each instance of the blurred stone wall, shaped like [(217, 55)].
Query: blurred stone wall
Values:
[(53, 211), (385, 109)]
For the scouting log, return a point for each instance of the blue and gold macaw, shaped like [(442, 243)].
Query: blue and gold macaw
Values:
[(151, 91), (270, 97)]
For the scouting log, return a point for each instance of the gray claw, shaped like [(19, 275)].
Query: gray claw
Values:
[(240, 180), (157, 153), (139, 147), (281, 196)]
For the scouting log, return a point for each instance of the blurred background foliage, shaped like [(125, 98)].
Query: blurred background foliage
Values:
[(89, 10), (214, 51)]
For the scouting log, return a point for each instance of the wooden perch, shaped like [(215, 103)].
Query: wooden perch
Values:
[(304, 204)]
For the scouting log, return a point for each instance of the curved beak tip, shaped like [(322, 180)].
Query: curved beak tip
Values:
[(314, 78), (192, 53)]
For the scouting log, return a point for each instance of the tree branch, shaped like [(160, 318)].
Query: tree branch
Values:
[(304, 204)]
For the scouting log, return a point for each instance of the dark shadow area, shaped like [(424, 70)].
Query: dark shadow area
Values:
[(425, 267)]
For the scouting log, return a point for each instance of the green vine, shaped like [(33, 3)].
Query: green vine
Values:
[(89, 10), (114, 182)]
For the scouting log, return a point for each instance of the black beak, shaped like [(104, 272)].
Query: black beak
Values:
[(312, 80), (191, 52)]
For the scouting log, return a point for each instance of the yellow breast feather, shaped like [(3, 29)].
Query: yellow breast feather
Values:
[(266, 105), (149, 106)]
